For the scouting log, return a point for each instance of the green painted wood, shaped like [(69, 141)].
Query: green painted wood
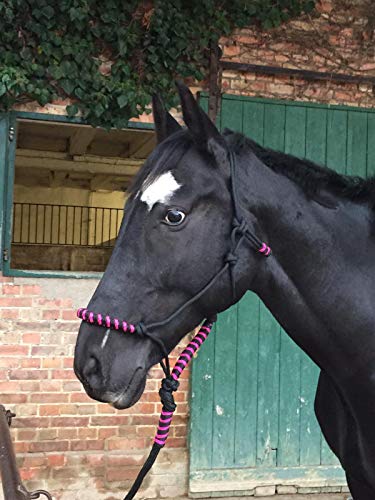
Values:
[(274, 126), (371, 144), (3, 171), (224, 404), (237, 481), (231, 115), (245, 446), (316, 134), (10, 156), (357, 144), (202, 397), (268, 389), (337, 138), (253, 121)]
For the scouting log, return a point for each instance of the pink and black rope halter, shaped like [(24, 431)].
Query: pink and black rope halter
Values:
[(240, 233)]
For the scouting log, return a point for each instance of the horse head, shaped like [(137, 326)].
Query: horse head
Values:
[(174, 240)]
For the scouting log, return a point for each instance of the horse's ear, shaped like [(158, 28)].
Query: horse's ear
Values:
[(165, 124), (205, 135)]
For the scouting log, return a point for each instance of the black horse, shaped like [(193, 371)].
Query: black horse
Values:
[(318, 283)]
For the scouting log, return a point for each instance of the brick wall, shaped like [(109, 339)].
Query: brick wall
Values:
[(67, 443), (340, 39)]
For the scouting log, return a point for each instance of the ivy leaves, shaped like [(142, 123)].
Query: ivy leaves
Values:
[(108, 57)]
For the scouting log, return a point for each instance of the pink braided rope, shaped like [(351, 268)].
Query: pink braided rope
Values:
[(264, 249), (185, 357), (107, 321)]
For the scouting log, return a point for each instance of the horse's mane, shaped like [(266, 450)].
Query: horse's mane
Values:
[(312, 178)]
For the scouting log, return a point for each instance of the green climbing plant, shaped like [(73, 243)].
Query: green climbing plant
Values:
[(108, 57)]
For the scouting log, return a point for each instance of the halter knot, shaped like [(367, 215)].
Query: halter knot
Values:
[(240, 226), (168, 386), (141, 329), (231, 258)]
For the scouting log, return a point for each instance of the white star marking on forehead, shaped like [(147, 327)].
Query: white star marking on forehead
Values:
[(160, 190)]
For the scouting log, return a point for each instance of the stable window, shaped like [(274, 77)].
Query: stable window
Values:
[(66, 191)]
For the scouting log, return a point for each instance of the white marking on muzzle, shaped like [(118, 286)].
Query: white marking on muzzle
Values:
[(104, 341), (160, 190)]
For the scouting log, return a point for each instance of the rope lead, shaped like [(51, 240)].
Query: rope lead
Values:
[(168, 386)]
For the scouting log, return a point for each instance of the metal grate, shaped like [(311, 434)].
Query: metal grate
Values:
[(44, 224)]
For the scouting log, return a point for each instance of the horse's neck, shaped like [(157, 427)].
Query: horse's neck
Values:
[(318, 281)]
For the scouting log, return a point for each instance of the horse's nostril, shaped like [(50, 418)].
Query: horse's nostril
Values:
[(92, 372)]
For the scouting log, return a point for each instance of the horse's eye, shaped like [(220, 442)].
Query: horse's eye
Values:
[(174, 217)]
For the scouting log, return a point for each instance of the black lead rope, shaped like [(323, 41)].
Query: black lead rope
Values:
[(240, 232)]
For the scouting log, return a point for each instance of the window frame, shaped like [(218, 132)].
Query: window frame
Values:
[(8, 191)]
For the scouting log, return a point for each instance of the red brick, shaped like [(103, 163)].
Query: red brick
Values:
[(107, 432), (67, 433), (70, 421), (46, 446), (111, 421), (51, 314), (30, 290), (75, 386), (63, 374), (21, 447), (44, 350), (124, 460), (79, 397), (68, 409), (32, 422), (52, 362), (30, 362), (27, 474), (9, 313), (28, 374), (177, 442), (9, 386), (26, 434), (15, 302), (48, 397), (35, 461), (56, 460), (88, 433), (145, 431), (68, 362), (51, 385), (47, 410), (126, 444), (29, 385), (52, 303), (6, 279), (13, 350), (11, 289), (13, 398), (31, 338), (9, 362), (69, 315), (122, 474)]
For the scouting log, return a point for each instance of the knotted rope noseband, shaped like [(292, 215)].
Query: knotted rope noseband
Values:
[(240, 231)]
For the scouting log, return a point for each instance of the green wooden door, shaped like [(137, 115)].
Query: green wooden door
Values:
[(252, 416)]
